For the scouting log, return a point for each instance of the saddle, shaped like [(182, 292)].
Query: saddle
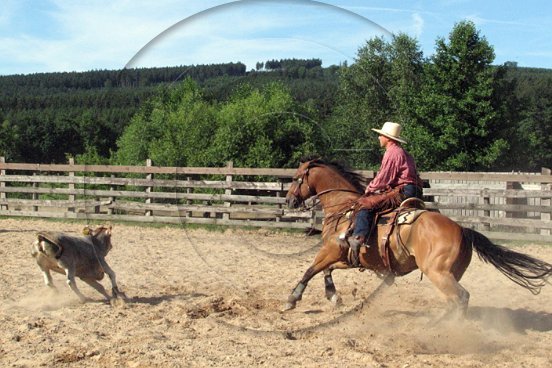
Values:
[(387, 221), (390, 221)]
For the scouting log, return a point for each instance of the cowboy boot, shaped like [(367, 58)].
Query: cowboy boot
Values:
[(355, 242)]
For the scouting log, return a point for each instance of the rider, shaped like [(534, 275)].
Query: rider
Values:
[(396, 180)]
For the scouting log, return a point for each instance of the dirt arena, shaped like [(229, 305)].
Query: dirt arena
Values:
[(201, 298)]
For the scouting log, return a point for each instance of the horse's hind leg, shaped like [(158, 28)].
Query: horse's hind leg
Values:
[(456, 296)]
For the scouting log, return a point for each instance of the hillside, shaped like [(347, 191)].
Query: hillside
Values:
[(46, 116)]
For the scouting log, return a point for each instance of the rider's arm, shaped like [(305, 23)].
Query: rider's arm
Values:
[(385, 175)]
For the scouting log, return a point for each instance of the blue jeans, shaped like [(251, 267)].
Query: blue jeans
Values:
[(365, 217)]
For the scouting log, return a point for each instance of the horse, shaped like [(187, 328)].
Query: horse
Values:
[(437, 246)]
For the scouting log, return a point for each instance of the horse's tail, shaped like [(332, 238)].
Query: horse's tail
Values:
[(526, 271)]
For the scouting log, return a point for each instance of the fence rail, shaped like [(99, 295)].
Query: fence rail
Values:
[(501, 205)]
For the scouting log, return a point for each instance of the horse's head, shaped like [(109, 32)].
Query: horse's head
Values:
[(300, 188), (317, 177)]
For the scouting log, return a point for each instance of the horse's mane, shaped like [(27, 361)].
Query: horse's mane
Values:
[(356, 179)]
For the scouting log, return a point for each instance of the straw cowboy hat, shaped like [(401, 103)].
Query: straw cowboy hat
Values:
[(391, 130)]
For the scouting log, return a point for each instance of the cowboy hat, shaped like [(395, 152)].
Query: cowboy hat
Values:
[(391, 130)]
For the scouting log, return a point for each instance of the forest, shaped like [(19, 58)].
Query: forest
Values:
[(459, 111)]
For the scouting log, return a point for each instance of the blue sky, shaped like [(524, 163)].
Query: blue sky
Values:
[(70, 35)]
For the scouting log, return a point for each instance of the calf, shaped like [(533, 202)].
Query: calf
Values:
[(83, 257)]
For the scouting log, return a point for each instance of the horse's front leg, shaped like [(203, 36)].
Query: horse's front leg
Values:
[(331, 292), (329, 287), (297, 292), (325, 257)]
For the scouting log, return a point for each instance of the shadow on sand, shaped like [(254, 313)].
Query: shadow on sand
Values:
[(506, 319), (155, 300)]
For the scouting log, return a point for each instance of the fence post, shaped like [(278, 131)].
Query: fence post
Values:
[(3, 185), (35, 196), (228, 190), (148, 189), (111, 199), (71, 185), (517, 186), (278, 195), (487, 213), (545, 216), (188, 201)]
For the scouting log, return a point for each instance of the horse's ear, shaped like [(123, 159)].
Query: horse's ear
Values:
[(316, 161)]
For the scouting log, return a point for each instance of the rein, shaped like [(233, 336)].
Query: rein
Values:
[(304, 178), (318, 195)]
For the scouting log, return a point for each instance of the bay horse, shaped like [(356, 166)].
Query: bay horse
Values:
[(437, 246)]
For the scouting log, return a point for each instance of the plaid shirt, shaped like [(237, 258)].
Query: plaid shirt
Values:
[(397, 167)]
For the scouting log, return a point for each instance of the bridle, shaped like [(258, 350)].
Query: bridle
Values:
[(304, 178)]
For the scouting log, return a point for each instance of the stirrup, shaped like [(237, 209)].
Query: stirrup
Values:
[(358, 242), (350, 259)]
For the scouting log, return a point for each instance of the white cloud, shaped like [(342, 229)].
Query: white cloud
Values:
[(275, 32), (418, 24), (106, 34), (90, 35), (479, 21)]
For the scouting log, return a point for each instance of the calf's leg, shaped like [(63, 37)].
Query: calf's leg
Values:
[(70, 272), (97, 286), (114, 288), (48, 278)]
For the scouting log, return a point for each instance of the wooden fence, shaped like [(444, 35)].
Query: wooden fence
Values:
[(501, 205)]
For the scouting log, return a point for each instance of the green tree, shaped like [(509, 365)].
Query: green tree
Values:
[(8, 139), (363, 103), (172, 129), (529, 102), (536, 131), (458, 127), (382, 85), (255, 128), (263, 128)]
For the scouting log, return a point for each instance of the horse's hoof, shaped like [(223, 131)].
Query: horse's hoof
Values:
[(288, 306), (389, 279), (120, 294), (336, 300), (117, 302)]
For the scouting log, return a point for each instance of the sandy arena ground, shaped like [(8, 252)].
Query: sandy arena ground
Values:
[(203, 298)]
